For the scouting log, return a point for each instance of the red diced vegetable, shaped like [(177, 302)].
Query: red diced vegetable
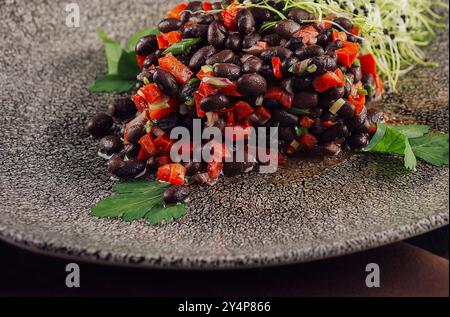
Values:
[(176, 11), (165, 109), (273, 93), (163, 173), (230, 15), (306, 122), (243, 109), (214, 169), (197, 98), (231, 90), (309, 35), (177, 68), (347, 54), (328, 124), (140, 102), (163, 160), (339, 36), (147, 145), (172, 37), (140, 60), (369, 66), (202, 74), (329, 80), (162, 42), (163, 143), (286, 99), (151, 93), (206, 89), (173, 173), (276, 65), (207, 6), (308, 140), (263, 113), (359, 101), (143, 156), (229, 118), (355, 30)]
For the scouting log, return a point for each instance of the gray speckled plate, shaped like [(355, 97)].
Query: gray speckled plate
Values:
[(50, 174)]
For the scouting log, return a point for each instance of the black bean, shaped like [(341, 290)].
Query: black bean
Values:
[(352, 38), (200, 57), (359, 140), (188, 90), (250, 40), (367, 79), (294, 43), (309, 51), (305, 99), (217, 34), (260, 14), (193, 168), (287, 63), (166, 82), (115, 164), (287, 84), (234, 42), (130, 150), (272, 39), (168, 122), (345, 23), (146, 45), (364, 127), (194, 6), (122, 109), (277, 51), (334, 93), (287, 134), (347, 110), (99, 125), (285, 118), (152, 59), (245, 22), (299, 15), (231, 169), (253, 64), (342, 68), (169, 24), (339, 130), (130, 169), (357, 121), (201, 18), (302, 83), (110, 145), (324, 63), (332, 46), (227, 70), (215, 102), (324, 37), (225, 56), (152, 165), (317, 128), (176, 194), (200, 30), (315, 112), (252, 85), (135, 132), (357, 74), (287, 28), (374, 115), (272, 103)]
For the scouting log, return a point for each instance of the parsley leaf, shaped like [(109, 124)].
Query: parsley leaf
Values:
[(113, 52), (137, 200), (432, 148), (412, 130), (112, 83)]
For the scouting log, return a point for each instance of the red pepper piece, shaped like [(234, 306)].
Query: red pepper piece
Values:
[(308, 140), (197, 98), (163, 160), (172, 37), (151, 93), (181, 72), (263, 114), (163, 143), (173, 173), (309, 35), (328, 124), (206, 89), (201, 74), (161, 113), (147, 145), (230, 15), (369, 66), (276, 65), (286, 99), (162, 42), (347, 54), (163, 173), (176, 11), (329, 80), (207, 6), (242, 109), (140, 102), (306, 122), (273, 93), (336, 35), (231, 90), (140, 60), (359, 101), (214, 169)]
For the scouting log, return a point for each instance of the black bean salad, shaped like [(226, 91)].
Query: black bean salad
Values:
[(242, 64)]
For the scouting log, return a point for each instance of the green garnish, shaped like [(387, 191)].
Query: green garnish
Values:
[(138, 200), (182, 46), (410, 141), (300, 130), (362, 92), (132, 41), (299, 111)]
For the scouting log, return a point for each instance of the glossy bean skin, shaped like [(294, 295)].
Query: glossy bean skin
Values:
[(168, 122), (305, 99), (324, 63), (277, 51), (287, 134), (201, 18), (200, 30), (250, 40), (152, 59), (126, 169), (356, 72), (130, 151), (359, 140), (253, 64), (332, 46), (345, 23), (176, 194), (234, 42), (99, 125), (252, 85), (166, 82), (286, 28), (294, 43), (169, 24), (287, 85), (225, 56), (215, 102), (374, 115), (272, 39), (302, 83), (217, 34), (188, 90), (245, 22), (227, 70), (356, 122), (285, 118), (299, 15), (261, 15), (110, 145), (347, 110), (287, 63), (339, 130), (334, 93), (135, 132), (146, 45), (231, 169), (199, 58), (305, 52), (324, 37), (122, 109), (317, 128), (193, 168)]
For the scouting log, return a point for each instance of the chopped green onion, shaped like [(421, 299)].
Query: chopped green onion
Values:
[(182, 46), (193, 81), (337, 105), (300, 130), (311, 68), (217, 81), (356, 63), (362, 92), (146, 81), (370, 90), (295, 144), (207, 69)]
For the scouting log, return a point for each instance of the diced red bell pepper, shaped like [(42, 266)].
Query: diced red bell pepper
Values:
[(328, 124), (336, 35), (151, 93), (161, 113), (347, 54), (172, 37), (163, 160), (273, 93), (229, 118), (286, 99), (262, 44), (355, 30), (207, 6), (202, 74), (163, 143), (308, 140), (359, 101), (147, 145), (214, 169), (369, 66), (379, 86), (207, 90), (231, 90), (263, 114), (276, 65), (173, 173), (230, 15), (162, 42), (329, 80), (181, 72), (176, 11), (143, 156), (140, 102), (309, 35), (306, 122), (242, 109), (198, 98), (140, 60)]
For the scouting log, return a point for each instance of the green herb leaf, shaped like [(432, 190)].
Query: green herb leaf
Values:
[(388, 141), (112, 83), (113, 52), (137, 200), (132, 41), (412, 130), (182, 46), (410, 158), (128, 66), (432, 148)]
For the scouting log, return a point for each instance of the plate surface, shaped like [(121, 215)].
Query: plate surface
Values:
[(50, 174)]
